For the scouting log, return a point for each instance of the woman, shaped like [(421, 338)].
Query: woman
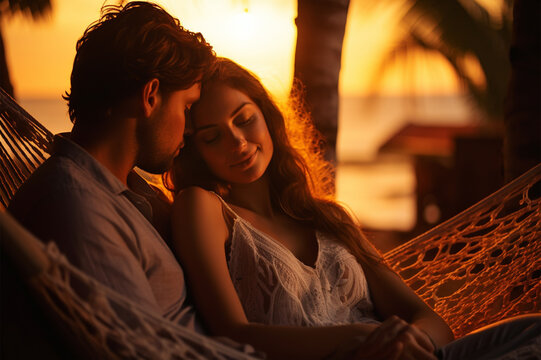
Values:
[(269, 260)]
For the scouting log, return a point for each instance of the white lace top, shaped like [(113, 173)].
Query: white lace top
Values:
[(276, 288)]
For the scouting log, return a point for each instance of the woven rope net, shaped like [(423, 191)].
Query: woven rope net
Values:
[(98, 322), (481, 266), (24, 145), (484, 264)]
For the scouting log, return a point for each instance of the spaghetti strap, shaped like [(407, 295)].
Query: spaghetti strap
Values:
[(226, 206)]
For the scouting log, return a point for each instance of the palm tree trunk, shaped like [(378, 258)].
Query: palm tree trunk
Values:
[(320, 32), (523, 110)]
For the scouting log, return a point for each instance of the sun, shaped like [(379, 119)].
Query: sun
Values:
[(259, 35)]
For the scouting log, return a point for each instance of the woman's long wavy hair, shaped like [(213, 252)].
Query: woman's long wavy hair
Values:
[(300, 180)]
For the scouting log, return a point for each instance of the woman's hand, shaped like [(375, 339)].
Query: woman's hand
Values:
[(395, 339), (422, 338)]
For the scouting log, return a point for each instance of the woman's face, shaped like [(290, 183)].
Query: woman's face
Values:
[(231, 135)]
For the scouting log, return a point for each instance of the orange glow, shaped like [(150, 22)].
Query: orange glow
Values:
[(261, 35), (258, 34), (371, 32), (474, 72), (40, 53)]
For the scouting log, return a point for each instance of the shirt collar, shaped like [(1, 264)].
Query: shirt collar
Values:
[(64, 146)]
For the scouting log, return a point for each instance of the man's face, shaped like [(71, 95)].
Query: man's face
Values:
[(160, 137)]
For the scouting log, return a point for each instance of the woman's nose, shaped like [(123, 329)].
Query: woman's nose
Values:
[(238, 141)]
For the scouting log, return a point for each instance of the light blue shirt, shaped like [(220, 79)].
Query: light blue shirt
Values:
[(103, 228)]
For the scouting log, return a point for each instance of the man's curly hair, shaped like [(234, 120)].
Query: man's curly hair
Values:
[(128, 46)]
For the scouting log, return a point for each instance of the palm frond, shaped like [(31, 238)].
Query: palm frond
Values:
[(459, 30), (35, 9)]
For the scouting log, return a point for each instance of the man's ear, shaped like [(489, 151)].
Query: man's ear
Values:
[(151, 96)]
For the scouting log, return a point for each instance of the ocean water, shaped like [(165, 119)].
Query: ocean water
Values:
[(51, 112), (378, 189)]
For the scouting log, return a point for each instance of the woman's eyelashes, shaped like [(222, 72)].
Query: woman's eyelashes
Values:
[(245, 120), (212, 136)]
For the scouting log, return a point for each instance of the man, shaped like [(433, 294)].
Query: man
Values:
[(135, 74)]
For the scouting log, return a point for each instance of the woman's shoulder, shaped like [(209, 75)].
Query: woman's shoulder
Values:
[(195, 198), (196, 193), (199, 211), (197, 222)]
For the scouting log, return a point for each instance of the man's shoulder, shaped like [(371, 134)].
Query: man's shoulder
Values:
[(61, 202), (58, 184), (58, 171)]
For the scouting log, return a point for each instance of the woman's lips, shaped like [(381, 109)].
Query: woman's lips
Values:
[(245, 162)]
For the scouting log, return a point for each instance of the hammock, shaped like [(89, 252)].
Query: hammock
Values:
[(484, 264), (25, 144), (481, 266), (100, 323)]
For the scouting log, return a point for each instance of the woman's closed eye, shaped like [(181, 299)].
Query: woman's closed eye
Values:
[(209, 137), (245, 120), (212, 135)]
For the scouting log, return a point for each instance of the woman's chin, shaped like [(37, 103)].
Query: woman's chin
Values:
[(249, 177)]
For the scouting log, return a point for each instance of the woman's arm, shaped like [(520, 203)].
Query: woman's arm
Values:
[(391, 296), (199, 234)]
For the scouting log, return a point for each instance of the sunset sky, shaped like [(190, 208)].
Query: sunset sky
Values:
[(261, 35), (40, 53)]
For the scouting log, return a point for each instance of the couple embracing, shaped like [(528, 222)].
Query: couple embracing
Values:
[(267, 260)]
